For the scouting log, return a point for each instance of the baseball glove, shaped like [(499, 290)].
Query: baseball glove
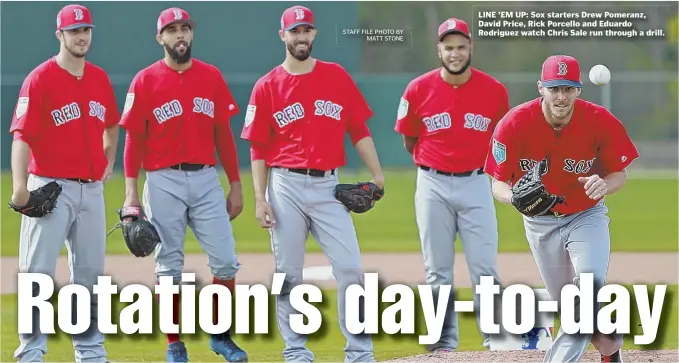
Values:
[(40, 202), (139, 234), (529, 195), (358, 197)]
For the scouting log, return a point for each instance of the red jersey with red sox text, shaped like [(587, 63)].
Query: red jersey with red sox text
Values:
[(453, 124), (62, 119), (181, 110), (594, 142), (299, 121)]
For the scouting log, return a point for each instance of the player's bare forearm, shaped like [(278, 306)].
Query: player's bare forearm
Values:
[(368, 153), (615, 182), (502, 192), (19, 160), (111, 135), (259, 179), (131, 191), (409, 143)]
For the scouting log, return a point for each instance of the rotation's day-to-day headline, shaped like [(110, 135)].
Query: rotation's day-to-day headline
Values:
[(530, 23), (397, 318)]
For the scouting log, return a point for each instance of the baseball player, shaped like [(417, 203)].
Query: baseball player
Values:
[(176, 114), (296, 125), (587, 150), (446, 117), (65, 131)]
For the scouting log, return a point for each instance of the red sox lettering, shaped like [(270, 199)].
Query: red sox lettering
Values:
[(204, 106), (569, 165), (437, 122), (66, 114), (476, 122), (167, 111), (578, 166), (71, 112), (296, 112)]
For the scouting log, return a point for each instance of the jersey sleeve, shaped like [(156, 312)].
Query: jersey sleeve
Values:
[(617, 151), (134, 116), (502, 158), (257, 126), (359, 111), (225, 105), (28, 109), (112, 112), (406, 120)]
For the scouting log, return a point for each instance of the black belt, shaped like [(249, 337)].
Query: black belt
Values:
[(81, 181), (446, 173), (309, 172), (189, 167)]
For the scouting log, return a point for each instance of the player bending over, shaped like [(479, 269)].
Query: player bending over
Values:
[(554, 159)]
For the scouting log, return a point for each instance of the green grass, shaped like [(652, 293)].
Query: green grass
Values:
[(327, 344), (640, 220)]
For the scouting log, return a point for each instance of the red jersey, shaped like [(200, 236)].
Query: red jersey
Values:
[(453, 124), (62, 118), (179, 115), (300, 121), (594, 142)]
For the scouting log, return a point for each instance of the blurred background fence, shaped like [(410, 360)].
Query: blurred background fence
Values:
[(241, 39)]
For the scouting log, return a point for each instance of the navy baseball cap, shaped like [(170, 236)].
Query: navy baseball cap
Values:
[(74, 16), (561, 70), (296, 16)]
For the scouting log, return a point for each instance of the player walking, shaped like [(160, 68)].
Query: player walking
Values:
[(177, 112), (587, 150), (446, 117), (65, 105), (296, 125)]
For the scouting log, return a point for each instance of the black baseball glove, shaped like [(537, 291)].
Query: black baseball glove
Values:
[(139, 234), (529, 195), (40, 202), (358, 197)]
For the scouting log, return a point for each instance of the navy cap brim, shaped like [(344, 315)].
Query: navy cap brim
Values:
[(294, 25), (453, 31), (561, 82), (76, 26)]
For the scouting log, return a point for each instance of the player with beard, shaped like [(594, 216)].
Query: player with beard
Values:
[(446, 117), (65, 130), (296, 122), (587, 150), (177, 112)]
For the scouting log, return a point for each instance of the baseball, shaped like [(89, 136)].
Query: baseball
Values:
[(600, 75)]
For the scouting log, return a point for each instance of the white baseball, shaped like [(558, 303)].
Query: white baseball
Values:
[(600, 75)]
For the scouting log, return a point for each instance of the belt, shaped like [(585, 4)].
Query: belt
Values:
[(446, 173), (309, 172), (190, 167), (81, 181)]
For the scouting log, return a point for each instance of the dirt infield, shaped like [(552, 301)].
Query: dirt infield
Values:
[(406, 268), (627, 268)]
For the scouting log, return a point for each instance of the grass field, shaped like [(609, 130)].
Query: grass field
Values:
[(391, 225), (327, 344)]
